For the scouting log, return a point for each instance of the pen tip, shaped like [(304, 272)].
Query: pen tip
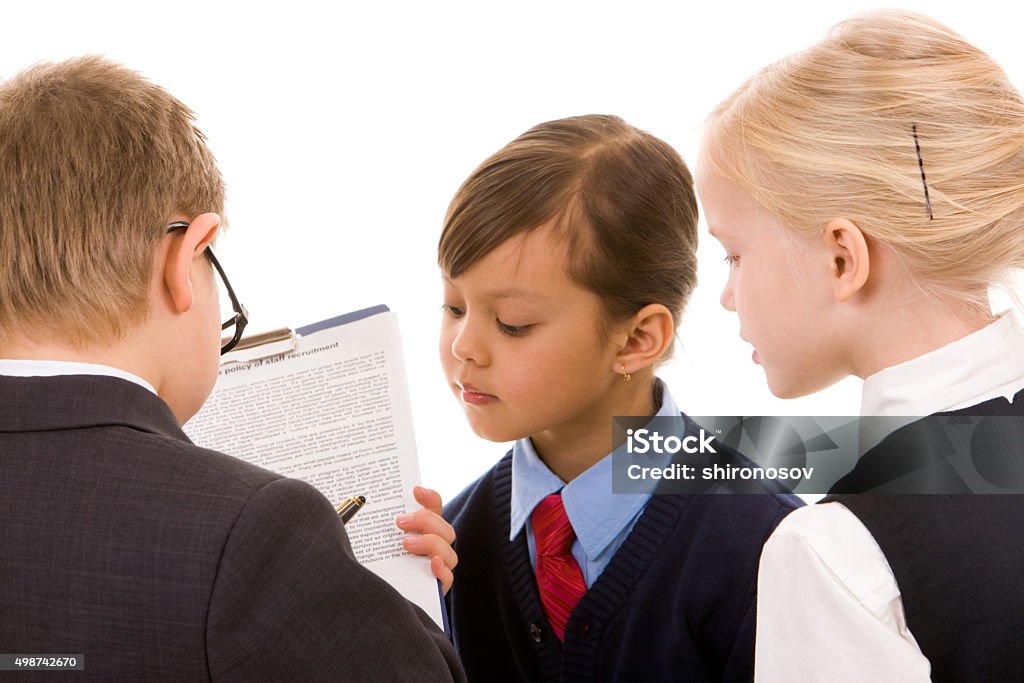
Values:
[(362, 500)]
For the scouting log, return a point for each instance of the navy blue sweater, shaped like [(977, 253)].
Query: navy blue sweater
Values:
[(676, 602)]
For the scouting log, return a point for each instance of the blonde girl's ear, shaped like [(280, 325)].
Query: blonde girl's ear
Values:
[(647, 336), (847, 247)]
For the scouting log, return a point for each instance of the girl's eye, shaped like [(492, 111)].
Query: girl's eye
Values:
[(454, 311), (731, 260), (513, 330)]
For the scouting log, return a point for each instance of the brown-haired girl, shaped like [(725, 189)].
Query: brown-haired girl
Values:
[(868, 191), (567, 259)]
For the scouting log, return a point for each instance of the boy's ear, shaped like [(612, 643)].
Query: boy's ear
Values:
[(848, 249), (647, 335), (183, 248)]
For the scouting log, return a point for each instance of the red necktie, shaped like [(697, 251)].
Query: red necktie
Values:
[(559, 577)]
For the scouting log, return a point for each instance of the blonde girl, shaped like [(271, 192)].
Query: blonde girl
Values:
[(869, 191)]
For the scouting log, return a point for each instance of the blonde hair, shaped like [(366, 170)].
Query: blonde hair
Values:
[(94, 161), (834, 131)]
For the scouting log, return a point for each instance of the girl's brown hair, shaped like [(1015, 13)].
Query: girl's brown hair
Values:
[(621, 198)]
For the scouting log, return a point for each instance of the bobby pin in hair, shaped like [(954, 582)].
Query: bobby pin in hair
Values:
[(920, 164)]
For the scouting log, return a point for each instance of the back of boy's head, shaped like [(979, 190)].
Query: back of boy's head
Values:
[(859, 125), (622, 200), (94, 160)]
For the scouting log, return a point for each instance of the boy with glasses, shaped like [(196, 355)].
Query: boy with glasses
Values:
[(124, 545)]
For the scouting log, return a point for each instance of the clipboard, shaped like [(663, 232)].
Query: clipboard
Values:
[(286, 340), (329, 403), (262, 346)]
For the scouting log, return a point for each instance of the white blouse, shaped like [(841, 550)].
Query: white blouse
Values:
[(828, 607)]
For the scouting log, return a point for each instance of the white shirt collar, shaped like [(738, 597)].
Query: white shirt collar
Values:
[(981, 366), (57, 368)]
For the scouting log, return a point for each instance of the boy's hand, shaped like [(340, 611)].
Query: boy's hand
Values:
[(429, 535)]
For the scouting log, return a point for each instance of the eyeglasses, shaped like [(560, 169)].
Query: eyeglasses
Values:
[(241, 317)]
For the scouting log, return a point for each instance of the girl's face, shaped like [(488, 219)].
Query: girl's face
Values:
[(522, 344), (779, 285)]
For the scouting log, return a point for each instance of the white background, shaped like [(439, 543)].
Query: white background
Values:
[(343, 133)]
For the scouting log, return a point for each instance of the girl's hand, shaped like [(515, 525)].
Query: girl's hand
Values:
[(428, 534)]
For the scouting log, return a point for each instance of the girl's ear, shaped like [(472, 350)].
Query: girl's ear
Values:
[(647, 335), (848, 249)]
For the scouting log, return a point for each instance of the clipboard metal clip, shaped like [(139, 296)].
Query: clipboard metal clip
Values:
[(264, 345)]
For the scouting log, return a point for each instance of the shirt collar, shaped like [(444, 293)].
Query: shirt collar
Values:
[(597, 515), (59, 368), (981, 366)]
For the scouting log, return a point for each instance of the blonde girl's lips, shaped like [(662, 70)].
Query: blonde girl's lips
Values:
[(754, 357)]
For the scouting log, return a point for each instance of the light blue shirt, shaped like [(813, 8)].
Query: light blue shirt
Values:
[(601, 519)]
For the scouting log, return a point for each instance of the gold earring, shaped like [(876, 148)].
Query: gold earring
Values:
[(625, 375)]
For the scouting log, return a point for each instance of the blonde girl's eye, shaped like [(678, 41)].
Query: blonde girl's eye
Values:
[(732, 260), (453, 311), (513, 330)]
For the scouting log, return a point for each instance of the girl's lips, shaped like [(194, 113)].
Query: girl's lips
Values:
[(471, 394), (755, 357)]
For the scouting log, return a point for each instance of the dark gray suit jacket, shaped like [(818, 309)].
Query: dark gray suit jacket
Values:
[(159, 560)]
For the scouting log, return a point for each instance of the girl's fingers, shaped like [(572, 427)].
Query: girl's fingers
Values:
[(426, 522), (428, 498)]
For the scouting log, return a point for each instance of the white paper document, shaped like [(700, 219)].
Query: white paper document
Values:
[(333, 412)]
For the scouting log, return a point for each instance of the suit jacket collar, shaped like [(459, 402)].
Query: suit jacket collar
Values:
[(35, 404)]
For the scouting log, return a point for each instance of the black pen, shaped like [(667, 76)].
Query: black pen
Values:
[(350, 507)]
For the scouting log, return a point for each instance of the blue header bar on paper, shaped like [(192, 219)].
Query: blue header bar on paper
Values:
[(343, 319)]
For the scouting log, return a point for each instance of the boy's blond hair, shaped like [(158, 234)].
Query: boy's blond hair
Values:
[(94, 161), (890, 106)]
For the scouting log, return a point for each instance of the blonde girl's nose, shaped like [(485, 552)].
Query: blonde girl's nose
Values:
[(728, 299)]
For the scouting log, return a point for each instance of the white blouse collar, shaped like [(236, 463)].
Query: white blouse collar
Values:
[(981, 366)]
